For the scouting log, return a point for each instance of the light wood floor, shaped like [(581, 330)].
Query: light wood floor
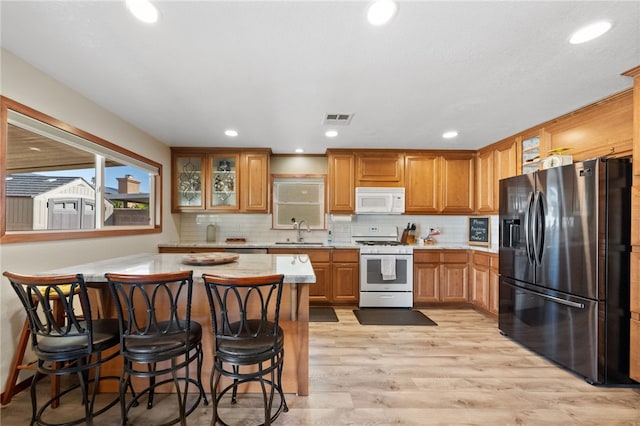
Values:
[(461, 372)]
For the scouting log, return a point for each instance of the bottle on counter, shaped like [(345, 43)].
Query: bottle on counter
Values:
[(329, 238), (211, 233)]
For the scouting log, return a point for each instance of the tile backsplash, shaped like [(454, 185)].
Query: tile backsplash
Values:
[(257, 227)]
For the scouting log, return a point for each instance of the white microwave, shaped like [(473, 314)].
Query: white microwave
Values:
[(370, 200)]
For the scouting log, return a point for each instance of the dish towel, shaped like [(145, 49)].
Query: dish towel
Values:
[(388, 267)]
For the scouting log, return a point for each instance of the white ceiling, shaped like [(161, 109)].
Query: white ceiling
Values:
[(272, 69)]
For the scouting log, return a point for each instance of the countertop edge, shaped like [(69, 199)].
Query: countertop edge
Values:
[(268, 245)]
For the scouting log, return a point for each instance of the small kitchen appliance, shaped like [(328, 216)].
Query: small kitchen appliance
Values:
[(373, 200)]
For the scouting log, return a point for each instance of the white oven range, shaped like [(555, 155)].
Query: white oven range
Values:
[(386, 268)]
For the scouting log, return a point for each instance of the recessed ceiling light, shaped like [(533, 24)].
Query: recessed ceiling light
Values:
[(231, 133), (450, 134), (331, 133), (381, 11), (299, 150), (590, 32), (144, 10)]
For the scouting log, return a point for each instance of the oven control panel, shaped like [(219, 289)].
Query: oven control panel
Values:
[(386, 250)]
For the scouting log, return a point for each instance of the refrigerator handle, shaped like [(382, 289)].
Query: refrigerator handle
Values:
[(553, 298), (538, 228), (528, 227)]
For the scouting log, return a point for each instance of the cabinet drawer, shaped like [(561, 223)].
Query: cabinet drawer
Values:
[(455, 257), (426, 256), (346, 255)]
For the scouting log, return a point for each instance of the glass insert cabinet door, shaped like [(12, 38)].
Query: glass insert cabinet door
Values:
[(188, 181), (224, 181)]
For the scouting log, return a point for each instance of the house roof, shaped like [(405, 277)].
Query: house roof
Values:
[(30, 185)]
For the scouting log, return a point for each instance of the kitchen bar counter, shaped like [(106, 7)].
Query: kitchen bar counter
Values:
[(294, 312)]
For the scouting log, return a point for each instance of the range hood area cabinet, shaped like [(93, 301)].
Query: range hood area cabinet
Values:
[(220, 180), (435, 181), (380, 169)]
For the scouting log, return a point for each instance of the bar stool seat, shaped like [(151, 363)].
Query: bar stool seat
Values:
[(66, 343), (12, 386)]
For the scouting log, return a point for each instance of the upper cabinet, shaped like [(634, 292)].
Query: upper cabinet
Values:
[(220, 180), (341, 182), (422, 175), (458, 182), (187, 177), (380, 168), (495, 162), (439, 182)]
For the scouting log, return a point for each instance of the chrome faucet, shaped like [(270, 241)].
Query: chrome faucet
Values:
[(298, 226)]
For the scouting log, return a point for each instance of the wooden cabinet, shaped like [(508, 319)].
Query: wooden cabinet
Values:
[(188, 174), (341, 182), (484, 282), (485, 200), (439, 182), (254, 182), (220, 180), (458, 183), (346, 276), (321, 291), (422, 177), (494, 285), (505, 164), (480, 280), (440, 276), (493, 163), (223, 181), (379, 168), (426, 276)]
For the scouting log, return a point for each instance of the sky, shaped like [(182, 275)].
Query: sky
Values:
[(111, 175)]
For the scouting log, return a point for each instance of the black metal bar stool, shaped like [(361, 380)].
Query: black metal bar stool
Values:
[(158, 337), (65, 342), (249, 343)]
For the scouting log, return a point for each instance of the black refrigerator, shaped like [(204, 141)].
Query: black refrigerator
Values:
[(564, 266)]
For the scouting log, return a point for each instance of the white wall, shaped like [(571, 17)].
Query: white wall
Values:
[(25, 84)]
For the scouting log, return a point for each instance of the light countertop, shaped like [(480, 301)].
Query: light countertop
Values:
[(268, 245), (296, 268)]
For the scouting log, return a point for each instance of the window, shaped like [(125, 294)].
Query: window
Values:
[(301, 198), (54, 177)]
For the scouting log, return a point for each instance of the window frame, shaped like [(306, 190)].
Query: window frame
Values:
[(101, 146), (301, 178)]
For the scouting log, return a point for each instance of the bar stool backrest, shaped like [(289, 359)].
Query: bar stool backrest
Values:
[(69, 326), (244, 309), (152, 306)]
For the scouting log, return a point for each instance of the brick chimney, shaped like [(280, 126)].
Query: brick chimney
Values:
[(128, 185)]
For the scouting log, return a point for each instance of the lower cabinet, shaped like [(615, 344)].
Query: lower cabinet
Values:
[(484, 282), (346, 277), (319, 292), (337, 275), (440, 276)]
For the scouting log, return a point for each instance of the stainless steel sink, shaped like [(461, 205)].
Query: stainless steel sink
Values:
[(302, 243)]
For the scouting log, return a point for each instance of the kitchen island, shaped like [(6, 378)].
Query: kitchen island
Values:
[(294, 311)]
